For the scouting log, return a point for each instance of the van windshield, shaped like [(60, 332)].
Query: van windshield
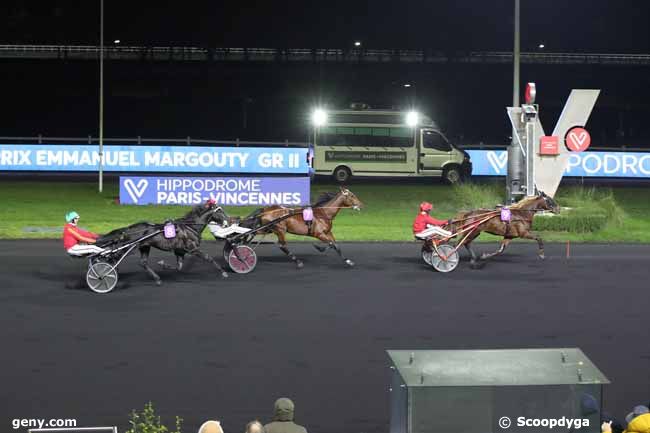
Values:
[(434, 140)]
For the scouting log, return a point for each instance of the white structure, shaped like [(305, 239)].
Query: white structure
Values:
[(544, 172)]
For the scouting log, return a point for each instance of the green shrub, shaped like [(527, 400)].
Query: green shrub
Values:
[(468, 196), (148, 422), (583, 210), (574, 222)]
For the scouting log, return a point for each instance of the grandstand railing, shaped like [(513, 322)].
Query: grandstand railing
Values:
[(186, 141), (189, 141), (354, 55)]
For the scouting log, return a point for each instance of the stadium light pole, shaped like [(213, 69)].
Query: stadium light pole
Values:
[(514, 176), (516, 55), (101, 96)]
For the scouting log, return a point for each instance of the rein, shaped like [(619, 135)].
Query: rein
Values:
[(186, 222), (496, 212), (297, 211)]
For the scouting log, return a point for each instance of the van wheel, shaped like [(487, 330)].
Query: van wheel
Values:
[(342, 174), (451, 175)]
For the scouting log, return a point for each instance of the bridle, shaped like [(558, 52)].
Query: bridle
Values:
[(192, 226)]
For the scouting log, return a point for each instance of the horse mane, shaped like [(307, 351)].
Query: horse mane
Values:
[(521, 204), (324, 198)]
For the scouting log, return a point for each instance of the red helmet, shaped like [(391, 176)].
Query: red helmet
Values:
[(425, 206)]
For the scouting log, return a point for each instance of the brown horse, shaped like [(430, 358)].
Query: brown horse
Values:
[(489, 221), (324, 212)]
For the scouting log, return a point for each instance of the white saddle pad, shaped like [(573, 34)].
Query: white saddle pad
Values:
[(222, 232), (433, 231)]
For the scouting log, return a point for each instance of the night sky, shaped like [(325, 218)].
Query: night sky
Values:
[(270, 101), (575, 25)]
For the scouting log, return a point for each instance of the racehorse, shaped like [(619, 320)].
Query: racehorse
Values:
[(187, 237), (324, 211), (490, 221)]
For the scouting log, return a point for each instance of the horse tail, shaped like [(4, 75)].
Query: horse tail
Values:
[(458, 220), (254, 219), (126, 234)]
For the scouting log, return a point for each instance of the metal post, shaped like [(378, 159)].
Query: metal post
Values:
[(515, 175), (101, 97), (516, 55), (530, 157)]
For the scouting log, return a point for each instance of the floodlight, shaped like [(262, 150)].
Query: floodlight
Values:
[(412, 118), (319, 117)]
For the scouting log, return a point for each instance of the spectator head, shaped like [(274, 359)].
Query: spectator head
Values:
[(211, 427), (283, 409), (254, 427), (638, 410)]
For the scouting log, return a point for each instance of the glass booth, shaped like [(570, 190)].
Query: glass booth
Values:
[(495, 391)]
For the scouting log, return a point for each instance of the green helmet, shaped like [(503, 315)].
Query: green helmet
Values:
[(71, 215)]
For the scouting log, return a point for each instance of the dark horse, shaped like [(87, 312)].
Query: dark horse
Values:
[(186, 241), (519, 226), (324, 210)]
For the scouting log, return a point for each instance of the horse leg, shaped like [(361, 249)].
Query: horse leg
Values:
[(331, 243), (540, 243), (208, 258), (178, 267), (285, 249), (502, 247), (475, 262), (144, 262)]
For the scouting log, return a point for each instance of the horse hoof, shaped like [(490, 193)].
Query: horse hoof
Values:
[(161, 263), (319, 248), (300, 265), (542, 256), (484, 256), (158, 283), (476, 265), (349, 262), (224, 275)]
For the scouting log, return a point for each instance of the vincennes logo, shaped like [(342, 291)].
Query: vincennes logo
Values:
[(580, 139), (135, 190), (498, 160)]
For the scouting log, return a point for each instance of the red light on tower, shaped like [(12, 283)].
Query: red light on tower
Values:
[(530, 94)]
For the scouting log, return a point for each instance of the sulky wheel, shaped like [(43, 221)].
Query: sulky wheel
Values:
[(226, 252), (101, 277), (445, 259), (426, 255), (244, 261)]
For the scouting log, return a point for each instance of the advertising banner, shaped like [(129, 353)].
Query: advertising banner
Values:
[(171, 159), (584, 164), (226, 191)]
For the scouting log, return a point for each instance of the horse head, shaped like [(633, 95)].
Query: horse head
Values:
[(349, 199), (548, 203), (204, 213), (214, 213)]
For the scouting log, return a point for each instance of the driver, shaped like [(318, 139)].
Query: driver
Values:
[(78, 242), (426, 223)]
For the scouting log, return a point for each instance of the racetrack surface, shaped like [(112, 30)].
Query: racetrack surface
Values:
[(202, 347)]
